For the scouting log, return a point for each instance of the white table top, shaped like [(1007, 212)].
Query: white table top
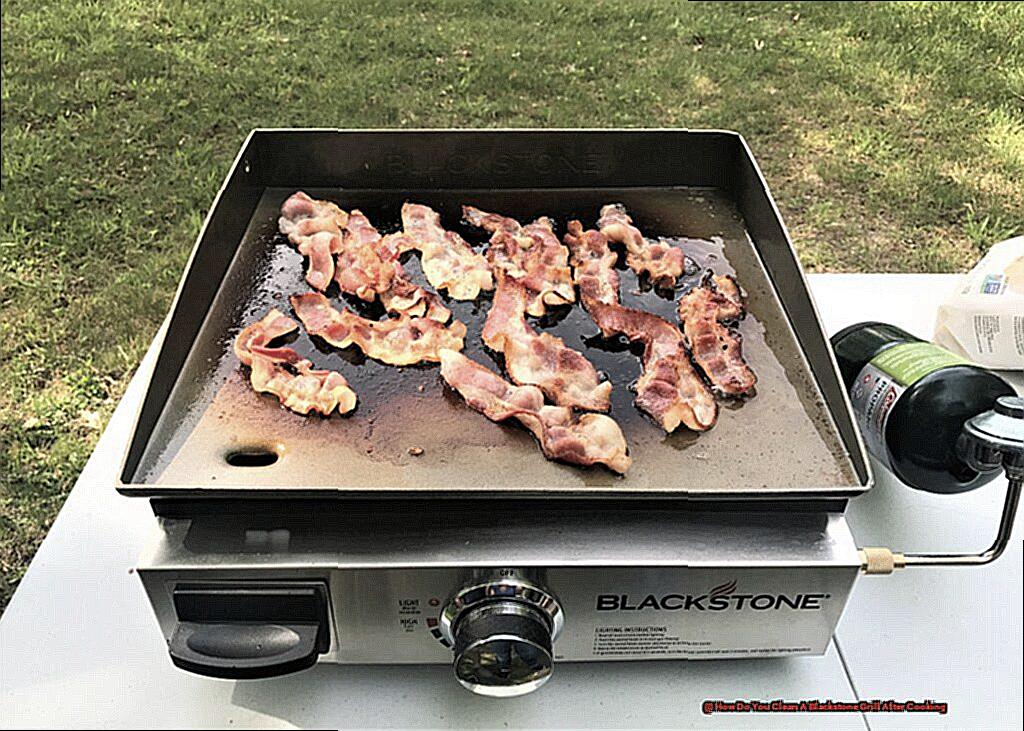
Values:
[(79, 645)]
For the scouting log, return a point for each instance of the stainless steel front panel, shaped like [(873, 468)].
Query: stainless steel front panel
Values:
[(672, 585)]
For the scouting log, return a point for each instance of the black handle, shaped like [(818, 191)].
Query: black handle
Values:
[(246, 630), (244, 650)]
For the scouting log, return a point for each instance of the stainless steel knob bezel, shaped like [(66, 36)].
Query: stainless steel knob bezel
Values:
[(509, 589)]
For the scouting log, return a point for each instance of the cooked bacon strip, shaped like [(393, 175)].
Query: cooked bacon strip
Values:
[(361, 272), (584, 440), (727, 286), (490, 222), (448, 261), (284, 373), (315, 228), (368, 268), (593, 265), (320, 248), (564, 375), (398, 341), (360, 232), (531, 254), (662, 262), (302, 216), (668, 389), (275, 324), (716, 348), (365, 267)]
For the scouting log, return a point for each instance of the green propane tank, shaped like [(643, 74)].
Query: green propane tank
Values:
[(911, 399)]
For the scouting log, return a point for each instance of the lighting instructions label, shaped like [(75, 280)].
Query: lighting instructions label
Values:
[(651, 640), (647, 639)]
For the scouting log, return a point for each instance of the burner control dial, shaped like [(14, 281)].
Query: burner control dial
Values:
[(502, 632)]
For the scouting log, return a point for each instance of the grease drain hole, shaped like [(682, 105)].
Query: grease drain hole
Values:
[(251, 457)]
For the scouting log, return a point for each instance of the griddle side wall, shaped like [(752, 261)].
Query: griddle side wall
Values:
[(773, 245), (208, 263)]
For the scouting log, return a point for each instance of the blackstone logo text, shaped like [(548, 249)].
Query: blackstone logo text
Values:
[(719, 599)]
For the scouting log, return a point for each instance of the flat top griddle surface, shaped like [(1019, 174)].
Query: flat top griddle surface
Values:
[(781, 440)]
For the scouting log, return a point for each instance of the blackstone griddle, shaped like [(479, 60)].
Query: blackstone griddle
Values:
[(415, 527), (200, 419)]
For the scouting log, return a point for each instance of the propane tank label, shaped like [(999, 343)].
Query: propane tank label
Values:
[(883, 380), (908, 363), (873, 394)]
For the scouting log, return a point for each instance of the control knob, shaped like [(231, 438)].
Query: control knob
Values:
[(502, 632)]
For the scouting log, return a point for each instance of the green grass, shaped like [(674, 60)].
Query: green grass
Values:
[(892, 136)]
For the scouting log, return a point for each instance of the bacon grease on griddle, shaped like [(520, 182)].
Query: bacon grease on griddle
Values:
[(396, 341), (284, 373), (669, 389), (585, 440), (716, 348), (564, 375)]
